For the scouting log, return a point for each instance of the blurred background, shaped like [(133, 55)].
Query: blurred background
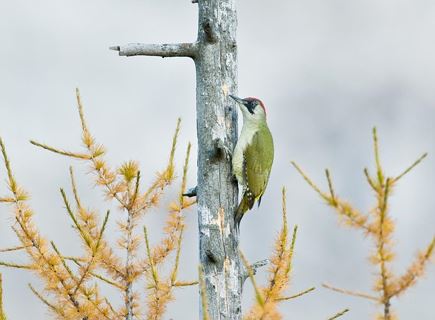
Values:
[(328, 71)]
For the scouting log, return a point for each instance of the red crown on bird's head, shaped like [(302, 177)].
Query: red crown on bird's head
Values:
[(259, 101)]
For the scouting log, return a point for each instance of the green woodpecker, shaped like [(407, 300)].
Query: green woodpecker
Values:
[(253, 154)]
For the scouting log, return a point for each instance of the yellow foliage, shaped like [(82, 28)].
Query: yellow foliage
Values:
[(73, 293), (129, 170), (268, 297), (379, 226)]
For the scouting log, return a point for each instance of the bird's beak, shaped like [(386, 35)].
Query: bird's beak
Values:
[(238, 100)]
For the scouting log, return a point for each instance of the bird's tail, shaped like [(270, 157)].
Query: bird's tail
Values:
[(245, 204)]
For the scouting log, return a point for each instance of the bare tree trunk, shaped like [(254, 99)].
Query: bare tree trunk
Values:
[(216, 73), (215, 56)]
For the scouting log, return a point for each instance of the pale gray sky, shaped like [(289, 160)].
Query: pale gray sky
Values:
[(328, 72)]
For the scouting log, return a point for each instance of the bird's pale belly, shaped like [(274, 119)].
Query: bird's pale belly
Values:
[(243, 141)]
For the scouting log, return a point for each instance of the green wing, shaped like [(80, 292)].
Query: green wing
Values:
[(258, 159)]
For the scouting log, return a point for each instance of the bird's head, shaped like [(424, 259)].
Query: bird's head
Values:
[(253, 109)]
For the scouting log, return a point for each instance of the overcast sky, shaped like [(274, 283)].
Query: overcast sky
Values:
[(327, 70)]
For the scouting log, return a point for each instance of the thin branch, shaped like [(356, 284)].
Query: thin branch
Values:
[(136, 191), (382, 242), (11, 180), (339, 314), (370, 180), (76, 260), (291, 250), (81, 114), (331, 188), (259, 264), (254, 268), (157, 50), (415, 271), (82, 233), (76, 155), (48, 261), (184, 178), (74, 188), (2, 313), (310, 182), (95, 251), (150, 259), (300, 294), (111, 307), (379, 170), (165, 177), (46, 302), (67, 268), (80, 281), (96, 275), (351, 293), (15, 265), (203, 289), (174, 272), (412, 166), (14, 248), (185, 283), (355, 218), (258, 294)]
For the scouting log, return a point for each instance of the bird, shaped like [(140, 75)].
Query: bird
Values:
[(253, 154)]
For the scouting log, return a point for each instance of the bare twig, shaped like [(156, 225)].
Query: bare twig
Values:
[(297, 295), (369, 179), (310, 182), (57, 310), (379, 170), (331, 188), (158, 50), (291, 250), (412, 166), (254, 268), (351, 293), (15, 265), (2, 313), (74, 188), (14, 248), (185, 283), (259, 264), (339, 314), (76, 155), (258, 294)]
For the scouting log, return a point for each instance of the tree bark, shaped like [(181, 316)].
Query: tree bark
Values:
[(215, 56), (216, 73)]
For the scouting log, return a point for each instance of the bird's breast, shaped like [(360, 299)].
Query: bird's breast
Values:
[(244, 140)]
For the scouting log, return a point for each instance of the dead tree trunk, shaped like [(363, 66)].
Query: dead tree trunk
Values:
[(215, 57)]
